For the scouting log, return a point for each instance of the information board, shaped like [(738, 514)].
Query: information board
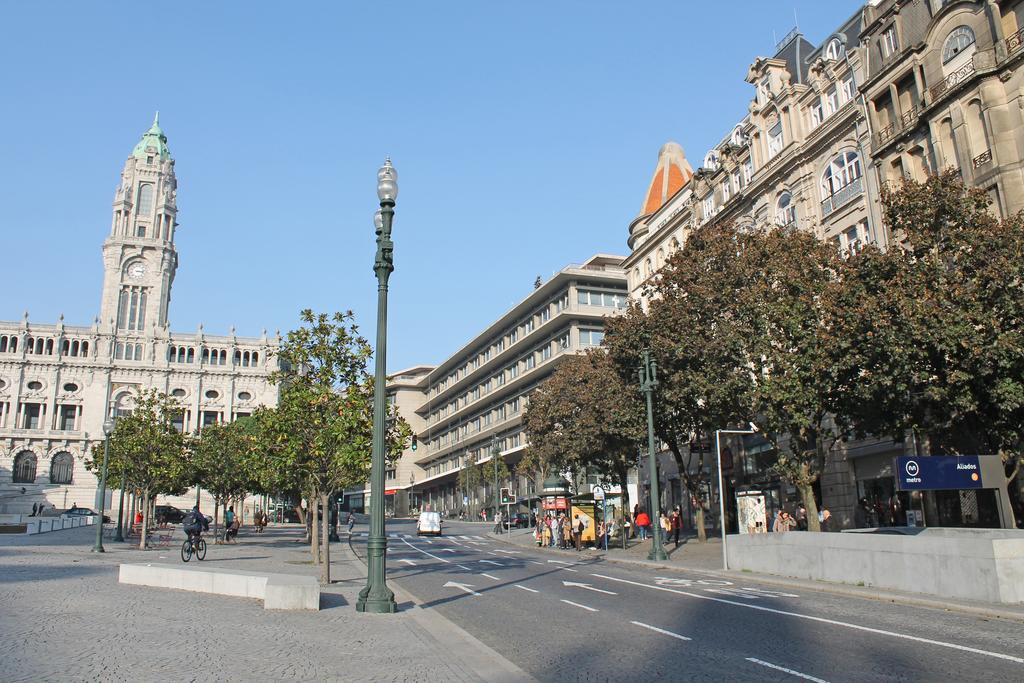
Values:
[(937, 473)]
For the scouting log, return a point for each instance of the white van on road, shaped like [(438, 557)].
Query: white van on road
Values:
[(429, 524)]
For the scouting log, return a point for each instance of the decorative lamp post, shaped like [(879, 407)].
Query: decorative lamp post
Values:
[(376, 596), (101, 498), (721, 484), (648, 381), (495, 454), (412, 491)]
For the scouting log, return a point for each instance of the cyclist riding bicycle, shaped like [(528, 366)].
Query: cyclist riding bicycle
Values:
[(195, 523)]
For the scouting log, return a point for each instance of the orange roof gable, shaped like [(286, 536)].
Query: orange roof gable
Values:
[(671, 174)]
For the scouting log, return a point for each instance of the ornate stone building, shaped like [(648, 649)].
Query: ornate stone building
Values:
[(58, 382)]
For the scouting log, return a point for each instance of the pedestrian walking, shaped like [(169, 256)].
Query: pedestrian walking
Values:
[(641, 522), (497, 522), (577, 531), (666, 528), (801, 518), (677, 524), (35, 509)]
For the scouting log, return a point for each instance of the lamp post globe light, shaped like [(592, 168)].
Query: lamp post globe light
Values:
[(101, 493), (376, 596), (648, 381)]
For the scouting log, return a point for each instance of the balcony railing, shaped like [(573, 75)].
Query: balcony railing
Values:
[(906, 120), (982, 159), (952, 80), (842, 196)]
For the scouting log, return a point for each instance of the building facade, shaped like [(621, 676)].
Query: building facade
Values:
[(474, 401), (902, 88), (59, 382)]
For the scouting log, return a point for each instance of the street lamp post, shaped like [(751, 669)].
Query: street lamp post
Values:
[(412, 484), (376, 596), (108, 427), (495, 454), (721, 484), (648, 381)]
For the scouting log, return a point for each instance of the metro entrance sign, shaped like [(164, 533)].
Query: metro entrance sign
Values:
[(937, 473)]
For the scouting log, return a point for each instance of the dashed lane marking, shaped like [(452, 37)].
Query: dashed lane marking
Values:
[(462, 566), (496, 564), (527, 589), (490, 577), (576, 604), (823, 620), (784, 670), (425, 552), (660, 630)]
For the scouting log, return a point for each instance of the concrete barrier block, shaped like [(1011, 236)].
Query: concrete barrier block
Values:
[(292, 593)]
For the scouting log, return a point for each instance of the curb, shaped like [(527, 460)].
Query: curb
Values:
[(867, 593), (478, 658)]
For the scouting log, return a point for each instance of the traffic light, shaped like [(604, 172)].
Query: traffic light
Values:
[(414, 443), (506, 499)]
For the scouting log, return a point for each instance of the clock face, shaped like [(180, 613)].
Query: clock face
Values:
[(136, 270)]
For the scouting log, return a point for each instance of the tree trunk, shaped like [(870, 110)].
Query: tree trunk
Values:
[(325, 568), (698, 518), (216, 507), (314, 539), (301, 513), (145, 521), (130, 522), (811, 505)]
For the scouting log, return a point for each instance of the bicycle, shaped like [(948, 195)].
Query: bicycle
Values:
[(192, 547)]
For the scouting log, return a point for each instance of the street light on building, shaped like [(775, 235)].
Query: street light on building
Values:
[(101, 494), (721, 484), (648, 381), (376, 596)]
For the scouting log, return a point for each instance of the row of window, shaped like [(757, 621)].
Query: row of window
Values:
[(521, 329), (62, 468), (131, 308), (521, 366), (475, 455), (32, 415), (505, 411), (41, 346), (187, 354)]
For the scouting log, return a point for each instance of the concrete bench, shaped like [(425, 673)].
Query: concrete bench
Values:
[(278, 591)]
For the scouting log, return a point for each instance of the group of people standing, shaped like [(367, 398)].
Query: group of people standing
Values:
[(671, 524), (558, 531)]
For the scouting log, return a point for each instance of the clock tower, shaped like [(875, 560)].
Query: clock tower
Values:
[(139, 258)]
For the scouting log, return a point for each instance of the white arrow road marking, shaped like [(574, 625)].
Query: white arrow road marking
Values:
[(490, 577), (785, 670), (576, 604), (496, 564), (421, 550), (448, 550), (661, 630), (467, 587), (823, 620), (408, 562), (526, 589), (587, 586)]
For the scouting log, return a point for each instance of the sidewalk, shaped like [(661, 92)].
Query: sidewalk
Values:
[(140, 633), (706, 558)]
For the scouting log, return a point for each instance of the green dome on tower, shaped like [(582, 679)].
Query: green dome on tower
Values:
[(153, 142)]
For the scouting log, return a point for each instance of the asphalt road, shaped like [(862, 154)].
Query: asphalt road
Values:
[(592, 620)]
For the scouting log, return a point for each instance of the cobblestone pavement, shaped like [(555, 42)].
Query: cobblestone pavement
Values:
[(64, 616)]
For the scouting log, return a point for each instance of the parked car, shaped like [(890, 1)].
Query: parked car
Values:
[(518, 520), (173, 515), (84, 512), (429, 524)]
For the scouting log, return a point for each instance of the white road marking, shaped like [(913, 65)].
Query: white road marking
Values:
[(785, 670), (496, 564), (447, 550), (425, 552), (526, 589), (660, 630), (408, 561), (587, 586), (576, 604), (749, 593), (508, 552), (393, 536), (558, 562), (857, 627), (477, 538), (428, 541), (467, 587), (464, 538), (490, 577), (462, 566), (535, 562)]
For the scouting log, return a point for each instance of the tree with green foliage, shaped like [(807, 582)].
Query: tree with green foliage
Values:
[(223, 459), (584, 418), (147, 450), (321, 431)]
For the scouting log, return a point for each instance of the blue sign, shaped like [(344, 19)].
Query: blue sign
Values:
[(937, 472)]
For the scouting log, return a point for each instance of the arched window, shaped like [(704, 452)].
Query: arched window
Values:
[(62, 468), (25, 468), (785, 210), (946, 144), (960, 38), (843, 170), (49, 347), (39, 346), (255, 358), (673, 245), (145, 204), (976, 128), (3, 344), (191, 355), (223, 357), (85, 348), (834, 49)]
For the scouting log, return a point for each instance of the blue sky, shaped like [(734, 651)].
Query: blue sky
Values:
[(524, 134)]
